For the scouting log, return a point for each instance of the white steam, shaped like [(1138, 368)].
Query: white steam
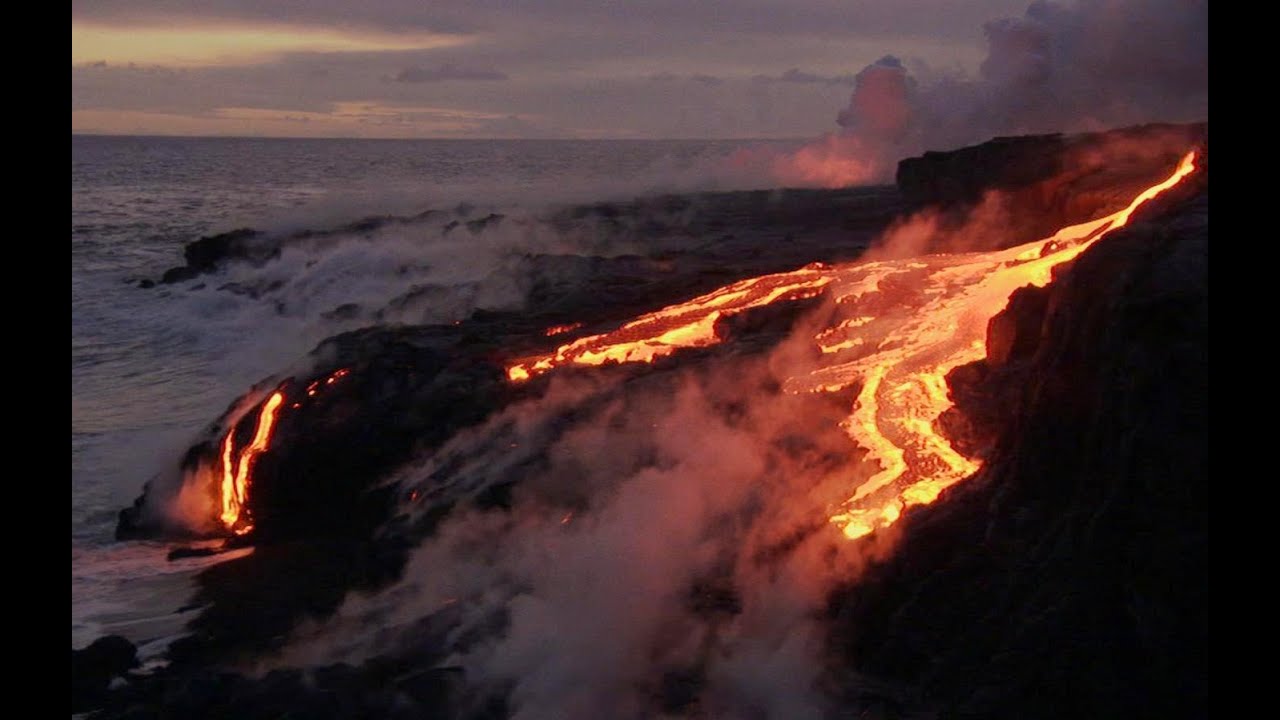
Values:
[(666, 552), (1088, 65)]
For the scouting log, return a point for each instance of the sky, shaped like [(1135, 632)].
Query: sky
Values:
[(502, 68)]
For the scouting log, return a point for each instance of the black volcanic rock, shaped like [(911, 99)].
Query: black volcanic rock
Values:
[(207, 253), (475, 226), (374, 398), (798, 225), (94, 667), (963, 175), (1069, 578), (1048, 181), (336, 692), (987, 392), (1013, 335)]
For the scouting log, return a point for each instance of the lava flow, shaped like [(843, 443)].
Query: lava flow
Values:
[(902, 325), (689, 324), (236, 468), (235, 472)]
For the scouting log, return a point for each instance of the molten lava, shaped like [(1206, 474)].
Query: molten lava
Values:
[(690, 324), (901, 326), (235, 474), (236, 468), (561, 329)]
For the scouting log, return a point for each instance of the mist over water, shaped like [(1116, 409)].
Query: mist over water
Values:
[(151, 367)]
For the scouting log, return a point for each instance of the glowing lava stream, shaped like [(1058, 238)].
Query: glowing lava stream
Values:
[(235, 475), (903, 325), (689, 324), (233, 487)]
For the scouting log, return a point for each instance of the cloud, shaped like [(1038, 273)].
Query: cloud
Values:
[(1056, 68), (676, 69), (370, 119), (446, 72), (796, 75), (195, 45), (668, 77), (829, 18), (880, 106), (577, 65)]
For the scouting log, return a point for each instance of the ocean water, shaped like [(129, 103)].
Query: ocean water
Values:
[(151, 367)]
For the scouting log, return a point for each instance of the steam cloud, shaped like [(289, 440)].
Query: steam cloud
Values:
[(1091, 65), (665, 551)]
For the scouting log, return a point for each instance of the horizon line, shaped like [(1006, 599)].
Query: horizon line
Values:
[(75, 134)]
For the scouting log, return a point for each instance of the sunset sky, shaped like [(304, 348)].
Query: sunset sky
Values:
[(489, 68)]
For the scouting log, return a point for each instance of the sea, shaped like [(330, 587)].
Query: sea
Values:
[(152, 366)]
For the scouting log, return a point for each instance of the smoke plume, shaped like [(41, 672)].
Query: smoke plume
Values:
[(652, 548), (1089, 65)]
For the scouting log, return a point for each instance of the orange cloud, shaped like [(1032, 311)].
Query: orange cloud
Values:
[(344, 119), (229, 44)]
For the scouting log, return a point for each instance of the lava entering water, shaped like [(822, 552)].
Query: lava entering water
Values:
[(901, 326), (235, 468)]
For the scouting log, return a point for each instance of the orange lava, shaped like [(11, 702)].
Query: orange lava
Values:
[(236, 469), (235, 475), (561, 329), (932, 316), (689, 324), (900, 327)]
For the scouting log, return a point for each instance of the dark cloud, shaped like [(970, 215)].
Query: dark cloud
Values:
[(846, 18), (445, 72), (796, 75), (667, 77), (511, 126)]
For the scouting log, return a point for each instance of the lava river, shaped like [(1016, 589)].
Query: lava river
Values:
[(899, 327)]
